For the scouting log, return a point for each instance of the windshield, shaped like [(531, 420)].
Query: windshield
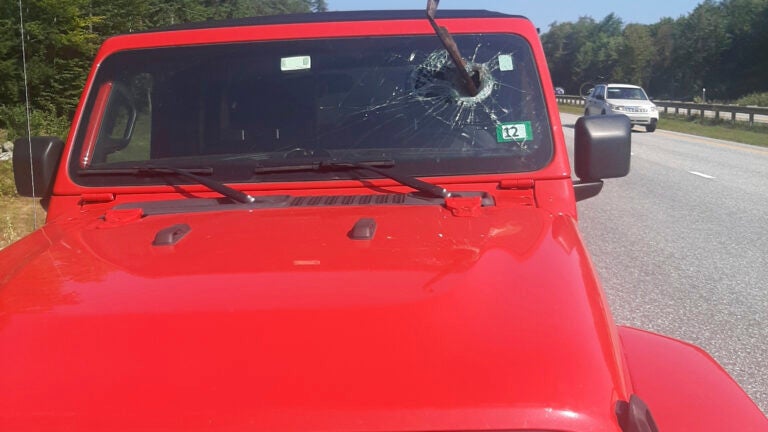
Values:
[(233, 107), (630, 93)]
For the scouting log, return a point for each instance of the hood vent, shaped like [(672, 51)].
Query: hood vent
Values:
[(199, 205), (364, 229), (171, 235), (352, 200)]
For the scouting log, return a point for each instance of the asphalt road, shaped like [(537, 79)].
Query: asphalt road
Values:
[(681, 246)]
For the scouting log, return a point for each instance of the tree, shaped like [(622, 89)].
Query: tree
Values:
[(744, 62), (583, 51), (61, 39), (663, 80), (720, 46), (560, 44), (59, 46), (636, 55), (698, 49)]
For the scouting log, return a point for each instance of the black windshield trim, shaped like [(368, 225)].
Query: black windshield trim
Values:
[(338, 16)]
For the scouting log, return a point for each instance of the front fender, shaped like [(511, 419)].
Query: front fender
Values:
[(685, 388)]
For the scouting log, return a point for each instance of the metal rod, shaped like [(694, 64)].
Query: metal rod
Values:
[(450, 46)]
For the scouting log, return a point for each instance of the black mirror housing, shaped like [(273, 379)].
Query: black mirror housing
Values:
[(602, 147), (45, 154)]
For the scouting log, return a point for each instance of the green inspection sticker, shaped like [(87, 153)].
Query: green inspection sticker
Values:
[(519, 131)]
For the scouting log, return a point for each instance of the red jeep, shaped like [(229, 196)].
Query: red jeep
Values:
[(338, 221)]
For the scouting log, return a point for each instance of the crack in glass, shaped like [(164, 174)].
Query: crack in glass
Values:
[(432, 95)]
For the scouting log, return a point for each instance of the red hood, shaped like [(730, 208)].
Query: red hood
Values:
[(277, 320)]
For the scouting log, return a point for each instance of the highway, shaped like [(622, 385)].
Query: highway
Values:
[(681, 246)]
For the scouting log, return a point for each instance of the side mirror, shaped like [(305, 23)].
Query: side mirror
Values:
[(602, 150), (45, 154)]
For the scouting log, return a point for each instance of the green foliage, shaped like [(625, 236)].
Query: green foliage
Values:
[(757, 99), (42, 122), (7, 185), (9, 233), (636, 52), (720, 46), (58, 44), (61, 39), (584, 51)]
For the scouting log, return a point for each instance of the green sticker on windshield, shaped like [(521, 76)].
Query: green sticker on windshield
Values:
[(519, 131)]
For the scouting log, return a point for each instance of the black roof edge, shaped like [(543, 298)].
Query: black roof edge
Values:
[(319, 17)]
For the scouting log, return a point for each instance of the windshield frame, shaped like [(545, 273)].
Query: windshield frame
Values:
[(394, 29)]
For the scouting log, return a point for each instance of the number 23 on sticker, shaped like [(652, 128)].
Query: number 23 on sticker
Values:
[(519, 131)]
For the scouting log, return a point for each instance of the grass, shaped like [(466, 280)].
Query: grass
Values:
[(710, 128), (571, 109), (17, 214)]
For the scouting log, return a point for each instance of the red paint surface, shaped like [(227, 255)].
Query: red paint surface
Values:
[(685, 388), (277, 320), (274, 319)]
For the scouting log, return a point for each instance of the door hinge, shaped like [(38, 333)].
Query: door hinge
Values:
[(96, 198), (516, 184)]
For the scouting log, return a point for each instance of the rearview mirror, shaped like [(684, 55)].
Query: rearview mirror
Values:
[(602, 150), (34, 176)]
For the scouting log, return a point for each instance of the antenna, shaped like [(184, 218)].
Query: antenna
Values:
[(26, 103)]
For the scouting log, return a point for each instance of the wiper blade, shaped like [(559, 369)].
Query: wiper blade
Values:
[(331, 165), (191, 174)]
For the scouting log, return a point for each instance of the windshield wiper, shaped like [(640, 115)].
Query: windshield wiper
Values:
[(330, 165), (191, 174)]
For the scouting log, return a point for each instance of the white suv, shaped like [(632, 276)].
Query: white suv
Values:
[(624, 99)]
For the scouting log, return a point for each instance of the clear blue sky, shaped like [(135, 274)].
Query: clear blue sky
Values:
[(543, 12)]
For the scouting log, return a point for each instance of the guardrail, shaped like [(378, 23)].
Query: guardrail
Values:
[(570, 99), (715, 110), (736, 112)]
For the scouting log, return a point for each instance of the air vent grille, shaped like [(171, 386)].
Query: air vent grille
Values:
[(349, 200)]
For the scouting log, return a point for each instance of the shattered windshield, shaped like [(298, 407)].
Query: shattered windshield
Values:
[(234, 107)]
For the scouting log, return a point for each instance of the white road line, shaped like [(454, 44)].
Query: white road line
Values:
[(701, 174)]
